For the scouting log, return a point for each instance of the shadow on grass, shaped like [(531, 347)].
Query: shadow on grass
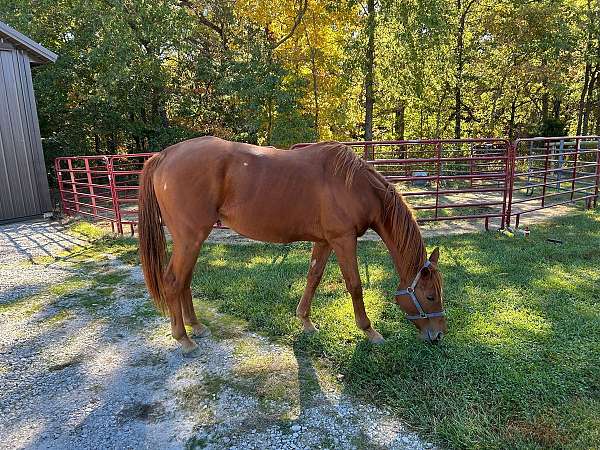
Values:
[(520, 366)]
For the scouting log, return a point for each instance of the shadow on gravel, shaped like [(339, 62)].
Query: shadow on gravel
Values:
[(31, 240)]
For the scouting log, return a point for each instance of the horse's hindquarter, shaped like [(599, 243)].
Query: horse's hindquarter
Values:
[(273, 195)]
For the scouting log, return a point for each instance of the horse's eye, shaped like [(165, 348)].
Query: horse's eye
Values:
[(431, 298)]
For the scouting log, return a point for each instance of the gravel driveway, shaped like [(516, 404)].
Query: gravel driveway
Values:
[(85, 363)]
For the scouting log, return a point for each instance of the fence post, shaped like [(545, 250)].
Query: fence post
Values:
[(90, 185), (597, 172), (59, 180), (509, 181), (114, 194), (438, 154), (546, 161), (73, 185), (575, 160)]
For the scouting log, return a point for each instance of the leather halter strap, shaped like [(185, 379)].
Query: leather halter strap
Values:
[(410, 291)]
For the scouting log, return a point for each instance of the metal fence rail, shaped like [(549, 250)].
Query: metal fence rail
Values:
[(443, 179), (549, 172)]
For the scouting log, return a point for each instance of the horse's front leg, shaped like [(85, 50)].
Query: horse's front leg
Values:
[(318, 261), (345, 250)]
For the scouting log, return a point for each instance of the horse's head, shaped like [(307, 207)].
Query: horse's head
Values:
[(423, 303)]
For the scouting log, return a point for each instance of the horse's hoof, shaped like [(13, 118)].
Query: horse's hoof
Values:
[(188, 347), (201, 332), (377, 341), (374, 336), (307, 326), (310, 329)]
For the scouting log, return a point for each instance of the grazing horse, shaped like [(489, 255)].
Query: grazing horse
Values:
[(321, 193)]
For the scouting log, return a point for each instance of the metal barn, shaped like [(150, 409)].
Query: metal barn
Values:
[(24, 189)]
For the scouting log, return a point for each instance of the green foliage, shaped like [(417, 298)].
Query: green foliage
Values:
[(136, 76)]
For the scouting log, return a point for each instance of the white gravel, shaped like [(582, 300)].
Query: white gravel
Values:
[(81, 372)]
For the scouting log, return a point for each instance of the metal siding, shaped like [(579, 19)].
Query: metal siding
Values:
[(23, 183), (14, 143), (21, 127), (37, 151), (7, 153)]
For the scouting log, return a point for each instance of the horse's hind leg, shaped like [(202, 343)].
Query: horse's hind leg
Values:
[(318, 261), (189, 316), (178, 277)]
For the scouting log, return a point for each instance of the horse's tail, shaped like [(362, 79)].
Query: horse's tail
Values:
[(153, 247)]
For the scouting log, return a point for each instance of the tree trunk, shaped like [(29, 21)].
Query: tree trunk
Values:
[(399, 127), (111, 144), (460, 45), (313, 65), (556, 108), (399, 122), (370, 61), (589, 102), (582, 97), (269, 120), (545, 95), (511, 123)]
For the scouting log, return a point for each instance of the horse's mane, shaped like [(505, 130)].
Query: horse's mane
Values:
[(397, 214)]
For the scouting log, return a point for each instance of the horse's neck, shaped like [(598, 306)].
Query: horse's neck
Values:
[(403, 260)]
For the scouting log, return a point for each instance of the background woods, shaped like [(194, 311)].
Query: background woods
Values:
[(137, 75)]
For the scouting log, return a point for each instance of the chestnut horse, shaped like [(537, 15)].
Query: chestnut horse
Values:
[(321, 193)]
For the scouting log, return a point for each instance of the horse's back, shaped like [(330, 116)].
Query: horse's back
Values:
[(261, 192)]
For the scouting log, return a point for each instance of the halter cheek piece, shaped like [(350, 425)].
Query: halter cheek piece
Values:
[(410, 291)]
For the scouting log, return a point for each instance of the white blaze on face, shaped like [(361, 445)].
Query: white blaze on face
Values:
[(313, 263), (165, 186), (245, 164)]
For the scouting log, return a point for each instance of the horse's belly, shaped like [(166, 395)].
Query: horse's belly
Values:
[(268, 228)]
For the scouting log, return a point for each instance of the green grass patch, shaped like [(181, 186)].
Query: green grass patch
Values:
[(520, 366), (87, 229)]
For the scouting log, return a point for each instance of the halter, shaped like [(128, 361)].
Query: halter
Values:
[(410, 291)]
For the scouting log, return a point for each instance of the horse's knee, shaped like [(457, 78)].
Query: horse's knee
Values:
[(355, 291)]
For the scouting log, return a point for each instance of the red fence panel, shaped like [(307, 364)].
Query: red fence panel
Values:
[(554, 171), (85, 187), (443, 179), (446, 179)]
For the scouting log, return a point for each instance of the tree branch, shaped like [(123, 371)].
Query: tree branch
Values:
[(220, 30), (297, 21)]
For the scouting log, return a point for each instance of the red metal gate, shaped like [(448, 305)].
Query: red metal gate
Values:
[(443, 179), (549, 172)]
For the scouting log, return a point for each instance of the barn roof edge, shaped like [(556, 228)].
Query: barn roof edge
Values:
[(30, 45)]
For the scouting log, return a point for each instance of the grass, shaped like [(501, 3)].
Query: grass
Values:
[(520, 367)]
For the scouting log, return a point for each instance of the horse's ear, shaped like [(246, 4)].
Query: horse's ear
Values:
[(435, 255)]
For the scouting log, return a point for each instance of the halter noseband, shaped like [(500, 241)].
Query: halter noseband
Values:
[(410, 291)]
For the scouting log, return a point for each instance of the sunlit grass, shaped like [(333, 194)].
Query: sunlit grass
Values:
[(520, 367)]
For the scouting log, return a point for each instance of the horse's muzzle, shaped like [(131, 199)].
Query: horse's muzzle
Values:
[(432, 337)]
